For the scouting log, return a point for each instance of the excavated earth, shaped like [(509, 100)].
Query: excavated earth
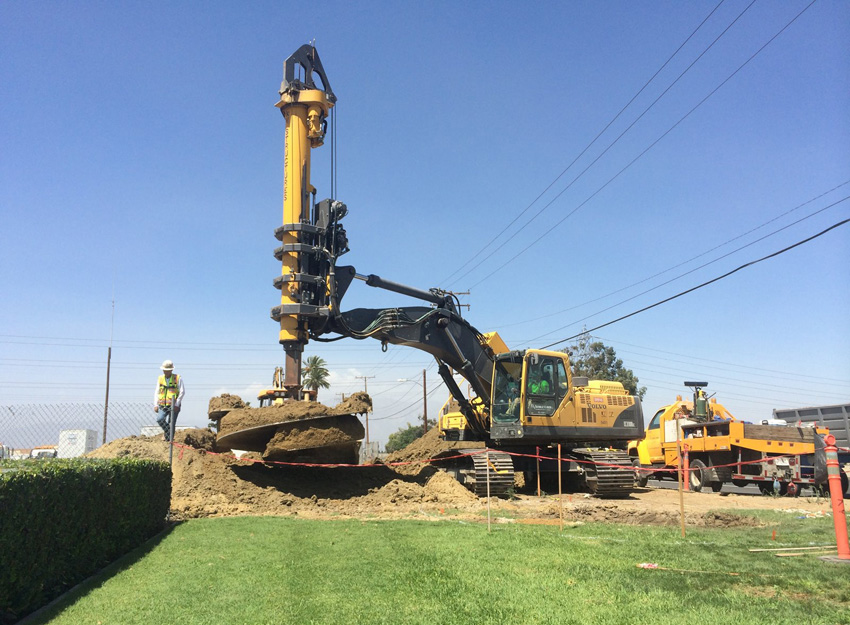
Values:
[(207, 483), (304, 426), (241, 417)]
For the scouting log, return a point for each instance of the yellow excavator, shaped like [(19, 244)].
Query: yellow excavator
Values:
[(524, 403)]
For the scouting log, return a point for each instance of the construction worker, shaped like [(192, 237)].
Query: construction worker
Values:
[(537, 385), (168, 398)]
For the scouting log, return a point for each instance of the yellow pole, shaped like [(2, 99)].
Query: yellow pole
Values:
[(304, 112)]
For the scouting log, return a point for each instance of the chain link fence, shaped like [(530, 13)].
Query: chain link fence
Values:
[(71, 429)]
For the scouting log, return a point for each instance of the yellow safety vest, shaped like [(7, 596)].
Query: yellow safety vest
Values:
[(168, 389)]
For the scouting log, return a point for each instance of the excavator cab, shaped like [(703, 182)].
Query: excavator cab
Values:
[(527, 384)]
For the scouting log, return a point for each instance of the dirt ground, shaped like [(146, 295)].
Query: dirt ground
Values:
[(208, 484)]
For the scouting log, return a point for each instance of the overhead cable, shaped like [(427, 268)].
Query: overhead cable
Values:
[(586, 148), (699, 286), (711, 262), (554, 227), (693, 258)]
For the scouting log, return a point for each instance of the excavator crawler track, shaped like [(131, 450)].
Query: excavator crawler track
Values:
[(611, 475), (471, 467), (501, 469)]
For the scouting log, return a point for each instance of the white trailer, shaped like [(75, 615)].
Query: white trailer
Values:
[(74, 443)]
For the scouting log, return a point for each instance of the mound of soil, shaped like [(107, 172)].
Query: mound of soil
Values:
[(206, 483), (224, 403), (611, 513), (291, 410), (442, 488), (428, 446), (328, 432)]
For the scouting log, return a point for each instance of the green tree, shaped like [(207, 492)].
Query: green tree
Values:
[(315, 374), (597, 361), (406, 435)]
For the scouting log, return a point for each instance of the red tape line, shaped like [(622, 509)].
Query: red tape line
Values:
[(475, 453)]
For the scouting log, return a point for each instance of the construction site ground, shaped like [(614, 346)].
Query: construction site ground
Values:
[(209, 484)]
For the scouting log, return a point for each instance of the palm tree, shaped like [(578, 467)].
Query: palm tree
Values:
[(315, 374)]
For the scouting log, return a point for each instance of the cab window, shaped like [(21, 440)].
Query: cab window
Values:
[(540, 386), (656, 420), (563, 382), (506, 388)]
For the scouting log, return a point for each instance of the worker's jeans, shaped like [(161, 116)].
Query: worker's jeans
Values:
[(164, 419)]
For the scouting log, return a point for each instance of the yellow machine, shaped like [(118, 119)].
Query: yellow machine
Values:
[(722, 449), (536, 403), (522, 400), (311, 239), (279, 392), (305, 108)]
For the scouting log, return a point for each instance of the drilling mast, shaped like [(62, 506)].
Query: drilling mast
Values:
[(305, 108)]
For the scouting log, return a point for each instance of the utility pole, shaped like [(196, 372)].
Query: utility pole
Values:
[(108, 366), (366, 390)]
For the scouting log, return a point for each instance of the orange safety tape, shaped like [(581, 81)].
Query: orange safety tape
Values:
[(475, 453), (630, 466), (331, 464)]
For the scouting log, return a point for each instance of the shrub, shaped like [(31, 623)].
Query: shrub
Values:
[(62, 520)]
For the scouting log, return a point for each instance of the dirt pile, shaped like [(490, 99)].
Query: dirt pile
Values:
[(612, 513), (357, 403), (442, 488), (290, 410), (206, 483), (223, 404), (325, 440), (307, 435), (211, 484), (298, 431), (428, 446)]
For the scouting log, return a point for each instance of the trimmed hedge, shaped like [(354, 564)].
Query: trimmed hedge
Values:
[(63, 520)]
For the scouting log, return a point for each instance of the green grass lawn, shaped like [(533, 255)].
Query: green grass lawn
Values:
[(285, 570)]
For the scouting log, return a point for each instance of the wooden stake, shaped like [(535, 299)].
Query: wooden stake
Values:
[(792, 548), (679, 467), (538, 471), (487, 453), (560, 490)]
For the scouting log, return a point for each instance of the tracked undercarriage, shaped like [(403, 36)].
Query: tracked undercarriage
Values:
[(603, 472)]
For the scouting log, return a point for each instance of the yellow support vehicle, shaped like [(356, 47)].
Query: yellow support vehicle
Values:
[(722, 449)]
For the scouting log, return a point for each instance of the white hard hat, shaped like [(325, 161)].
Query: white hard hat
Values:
[(167, 365)]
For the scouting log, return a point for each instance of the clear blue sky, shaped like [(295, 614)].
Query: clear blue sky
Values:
[(141, 155)]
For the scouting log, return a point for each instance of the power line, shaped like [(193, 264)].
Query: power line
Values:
[(658, 286), (700, 255), (620, 136), (554, 227), (793, 375), (764, 386), (586, 148), (417, 402), (770, 401), (699, 286)]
